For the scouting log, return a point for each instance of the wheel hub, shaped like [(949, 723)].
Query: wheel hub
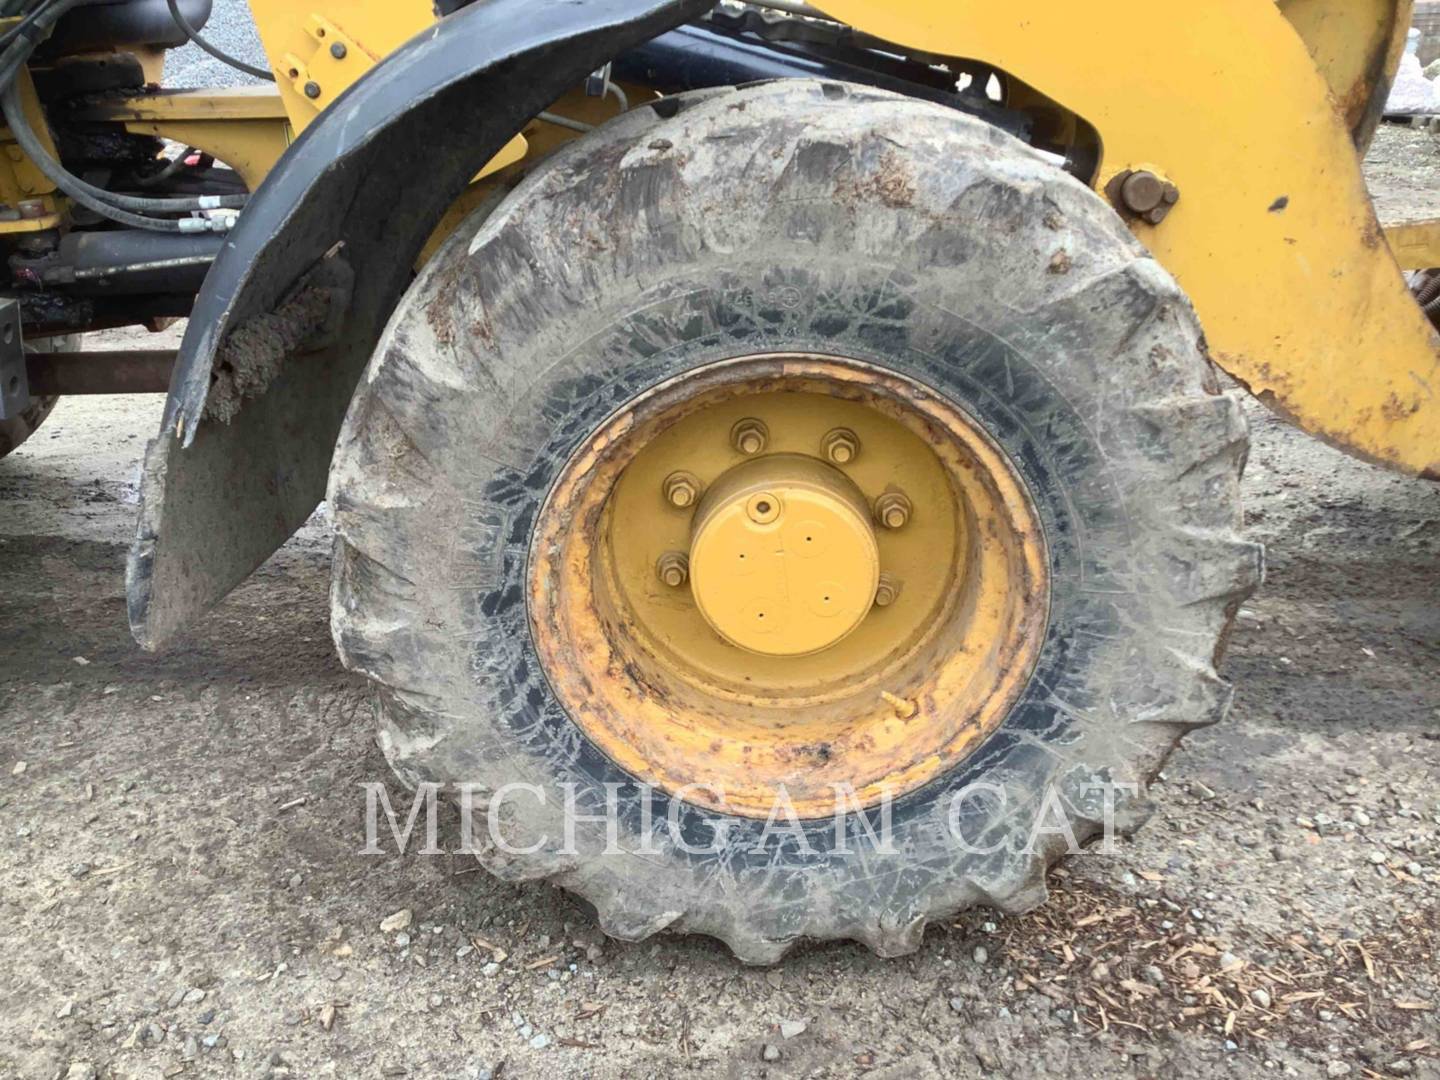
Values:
[(783, 557), (887, 542)]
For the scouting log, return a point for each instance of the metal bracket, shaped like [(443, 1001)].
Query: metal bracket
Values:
[(334, 65), (14, 379)]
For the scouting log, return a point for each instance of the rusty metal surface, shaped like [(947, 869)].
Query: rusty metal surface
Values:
[(122, 371), (1357, 45)]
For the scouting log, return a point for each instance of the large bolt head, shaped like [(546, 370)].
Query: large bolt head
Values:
[(750, 436), (893, 510), (1142, 191), (840, 446), (888, 591), (673, 569), (1144, 194), (682, 489)]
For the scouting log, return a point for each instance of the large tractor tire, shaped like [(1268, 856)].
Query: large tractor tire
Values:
[(796, 512)]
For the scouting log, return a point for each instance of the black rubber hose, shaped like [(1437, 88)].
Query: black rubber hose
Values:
[(219, 54), (10, 36), (20, 43), (133, 208), (10, 103), (98, 199), (171, 169), (140, 204)]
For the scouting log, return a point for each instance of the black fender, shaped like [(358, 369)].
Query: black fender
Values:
[(294, 305)]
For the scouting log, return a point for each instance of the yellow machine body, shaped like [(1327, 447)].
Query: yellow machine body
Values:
[(1252, 111)]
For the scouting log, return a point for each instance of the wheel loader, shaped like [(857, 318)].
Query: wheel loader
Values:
[(780, 456)]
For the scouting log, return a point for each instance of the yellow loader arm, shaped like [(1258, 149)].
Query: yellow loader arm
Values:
[(1274, 236)]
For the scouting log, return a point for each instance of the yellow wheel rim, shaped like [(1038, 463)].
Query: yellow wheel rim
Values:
[(797, 572)]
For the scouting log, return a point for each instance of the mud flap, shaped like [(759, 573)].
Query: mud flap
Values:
[(266, 371)]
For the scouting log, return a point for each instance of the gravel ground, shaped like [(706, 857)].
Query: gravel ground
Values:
[(181, 894), (231, 30), (1404, 171)]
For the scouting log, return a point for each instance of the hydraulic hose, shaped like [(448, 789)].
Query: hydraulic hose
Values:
[(82, 192), (125, 209)]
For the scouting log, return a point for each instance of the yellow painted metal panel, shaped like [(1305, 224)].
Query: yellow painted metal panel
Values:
[(318, 50), (1275, 238), (21, 183), (246, 128), (1416, 244), (1356, 44)]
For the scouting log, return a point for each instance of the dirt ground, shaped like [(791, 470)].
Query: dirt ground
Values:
[(181, 894)]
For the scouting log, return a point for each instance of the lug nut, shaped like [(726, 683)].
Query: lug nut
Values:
[(749, 436), (888, 591), (312, 90), (840, 446), (893, 510), (673, 568), (682, 489)]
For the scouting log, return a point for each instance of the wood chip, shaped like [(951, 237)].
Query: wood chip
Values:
[(497, 954)]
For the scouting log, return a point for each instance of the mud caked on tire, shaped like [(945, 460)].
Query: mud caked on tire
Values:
[(790, 219)]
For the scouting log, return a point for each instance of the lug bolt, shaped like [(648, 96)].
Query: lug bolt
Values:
[(673, 568), (312, 90), (888, 591), (682, 489), (840, 446), (904, 710), (893, 509), (749, 436), (339, 51)]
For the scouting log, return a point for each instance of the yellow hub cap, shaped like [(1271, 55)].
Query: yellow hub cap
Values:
[(788, 572), (783, 559)]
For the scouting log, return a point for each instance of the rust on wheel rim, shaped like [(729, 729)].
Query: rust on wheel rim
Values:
[(793, 572)]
